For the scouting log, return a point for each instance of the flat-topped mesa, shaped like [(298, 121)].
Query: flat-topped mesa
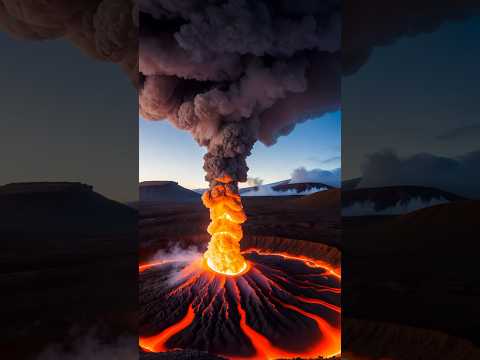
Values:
[(226, 214)]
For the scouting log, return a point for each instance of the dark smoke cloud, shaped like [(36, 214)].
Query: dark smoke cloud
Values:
[(232, 72), (104, 29), (460, 175), (372, 23)]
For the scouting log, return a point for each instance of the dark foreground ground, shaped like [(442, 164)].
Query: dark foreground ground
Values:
[(68, 267), (67, 273), (417, 271)]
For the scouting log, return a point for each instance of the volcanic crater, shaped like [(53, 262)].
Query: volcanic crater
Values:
[(283, 306)]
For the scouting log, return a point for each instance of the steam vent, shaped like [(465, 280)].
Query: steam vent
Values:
[(282, 307)]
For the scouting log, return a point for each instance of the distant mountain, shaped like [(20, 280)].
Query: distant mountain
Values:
[(166, 191), (392, 200), (60, 206), (285, 188), (329, 177), (351, 184)]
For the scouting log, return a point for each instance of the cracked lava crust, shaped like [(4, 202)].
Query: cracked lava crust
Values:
[(281, 306)]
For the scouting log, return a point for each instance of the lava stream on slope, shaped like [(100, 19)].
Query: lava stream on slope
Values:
[(283, 306)]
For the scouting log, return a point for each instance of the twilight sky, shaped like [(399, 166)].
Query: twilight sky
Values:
[(167, 153), (418, 95), (66, 117)]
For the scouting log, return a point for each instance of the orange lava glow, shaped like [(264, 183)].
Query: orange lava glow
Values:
[(209, 285), (264, 350), (226, 214), (157, 342), (313, 263)]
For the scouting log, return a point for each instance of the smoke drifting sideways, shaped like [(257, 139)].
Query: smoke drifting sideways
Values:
[(106, 30), (459, 175), (232, 72), (92, 346), (373, 23)]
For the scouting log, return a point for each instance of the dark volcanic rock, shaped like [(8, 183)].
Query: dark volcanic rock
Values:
[(419, 264), (179, 355), (377, 340), (277, 297)]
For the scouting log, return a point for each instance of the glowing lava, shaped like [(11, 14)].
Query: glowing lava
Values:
[(227, 216), (283, 307)]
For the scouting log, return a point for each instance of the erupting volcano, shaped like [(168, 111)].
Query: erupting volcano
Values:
[(232, 73), (255, 304)]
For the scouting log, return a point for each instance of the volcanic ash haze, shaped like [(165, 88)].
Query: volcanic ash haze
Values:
[(232, 72)]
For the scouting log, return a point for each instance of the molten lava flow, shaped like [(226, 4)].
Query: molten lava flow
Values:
[(250, 316), (156, 343), (226, 213)]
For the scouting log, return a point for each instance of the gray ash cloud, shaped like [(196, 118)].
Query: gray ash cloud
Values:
[(372, 23), (103, 29), (232, 72)]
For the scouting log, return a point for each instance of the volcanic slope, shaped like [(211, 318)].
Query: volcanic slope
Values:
[(250, 316), (426, 259)]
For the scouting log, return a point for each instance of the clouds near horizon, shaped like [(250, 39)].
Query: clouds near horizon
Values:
[(328, 177), (459, 175)]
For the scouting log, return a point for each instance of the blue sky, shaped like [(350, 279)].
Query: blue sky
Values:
[(167, 153)]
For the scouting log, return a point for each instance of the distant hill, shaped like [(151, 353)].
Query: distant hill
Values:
[(285, 188), (463, 214), (166, 191), (392, 200), (351, 184), (421, 263), (60, 206)]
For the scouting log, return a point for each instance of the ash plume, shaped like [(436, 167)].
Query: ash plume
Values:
[(232, 72), (373, 23), (104, 29)]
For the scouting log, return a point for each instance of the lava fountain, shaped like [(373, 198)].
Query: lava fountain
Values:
[(226, 213), (253, 304)]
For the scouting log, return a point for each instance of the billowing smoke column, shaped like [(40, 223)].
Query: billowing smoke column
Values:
[(232, 72)]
